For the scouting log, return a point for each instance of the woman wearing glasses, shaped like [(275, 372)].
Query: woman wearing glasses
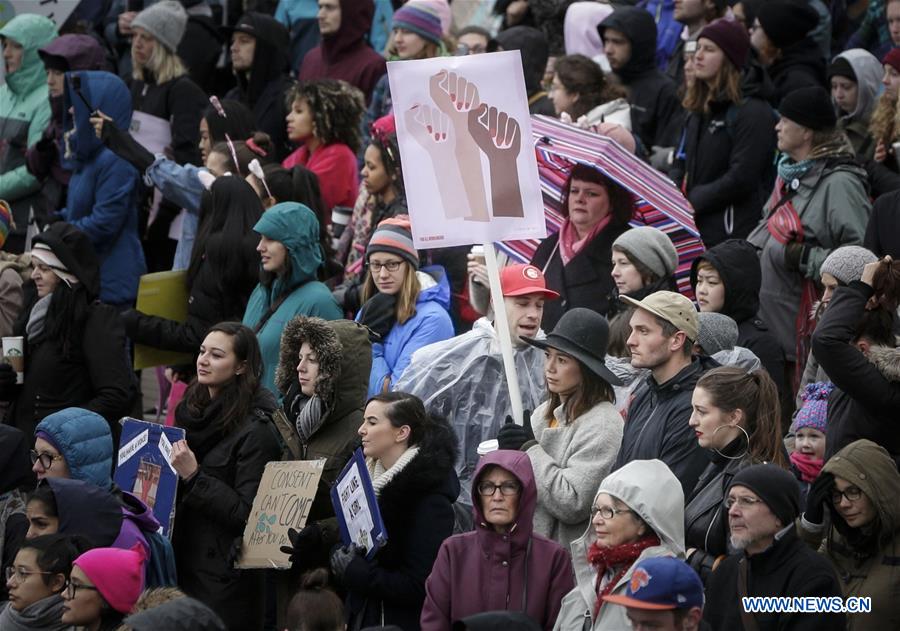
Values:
[(858, 488), (290, 262), (405, 308), (36, 581), (103, 587), (410, 457), (737, 418), (631, 520), (502, 564)]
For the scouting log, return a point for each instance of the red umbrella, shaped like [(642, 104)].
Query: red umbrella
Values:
[(658, 202)]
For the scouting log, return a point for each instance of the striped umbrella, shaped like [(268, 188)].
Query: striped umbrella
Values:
[(658, 202)]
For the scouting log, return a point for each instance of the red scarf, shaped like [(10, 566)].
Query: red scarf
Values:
[(808, 466), (570, 244), (604, 558)]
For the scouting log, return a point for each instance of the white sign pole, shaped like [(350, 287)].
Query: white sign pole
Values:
[(509, 365)]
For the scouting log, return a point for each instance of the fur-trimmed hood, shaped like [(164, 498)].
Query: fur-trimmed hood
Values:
[(887, 360), (345, 361)]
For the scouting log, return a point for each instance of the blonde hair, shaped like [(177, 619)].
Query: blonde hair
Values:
[(702, 92), (163, 64), (406, 297), (885, 121)]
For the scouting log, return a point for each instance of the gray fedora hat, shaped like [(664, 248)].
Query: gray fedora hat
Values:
[(583, 334)]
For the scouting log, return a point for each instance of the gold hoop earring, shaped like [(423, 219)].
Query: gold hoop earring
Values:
[(746, 436)]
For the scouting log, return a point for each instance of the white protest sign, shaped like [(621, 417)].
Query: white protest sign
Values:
[(285, 496), (355, 508), (56, 10), (464, 134)]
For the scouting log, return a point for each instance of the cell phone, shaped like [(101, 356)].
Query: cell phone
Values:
[(76, 86)]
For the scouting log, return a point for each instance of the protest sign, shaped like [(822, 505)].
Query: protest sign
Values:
[(464, 134), (162, 294), (56, 10), (144, 467), (357, 508), (285, 495)]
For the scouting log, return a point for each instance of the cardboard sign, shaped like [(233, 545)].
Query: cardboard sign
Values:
[(356, 507), (162, 294), (464, 133), (144, 467), (285, 495)]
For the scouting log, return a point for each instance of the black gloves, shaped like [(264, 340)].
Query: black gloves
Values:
[(513, 436), (379, 314), (342, 557), (7, 382), (794, 255), (819, 493), (130, 319), (126, 147), (305, 545)]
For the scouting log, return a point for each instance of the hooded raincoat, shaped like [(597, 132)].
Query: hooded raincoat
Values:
[(24, 114), (737, 264), (866, 559), (431, 323), (84, 440), (661, 506), (101, 201), (272, 306), (346, 55), (855, 124), (462, 380), (486, 570)]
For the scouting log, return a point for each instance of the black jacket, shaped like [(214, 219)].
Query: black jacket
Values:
[(179, 101), (213, 508), (883, 232), (585, 282), (657, 425), (738, 266), (866, 398), (16, 478), (200, 49), (788, 568), (417, 509), (800, 66), (727, 166), (656, 112)]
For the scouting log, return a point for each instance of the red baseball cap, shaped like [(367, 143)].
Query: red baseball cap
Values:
[(523, 280)]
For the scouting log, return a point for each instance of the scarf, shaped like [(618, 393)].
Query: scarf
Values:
[(310, 413), (381, 476), (202, 433), (38, 318), (808, 466), (570, 244), (43, 615), (622, 556), (788, 170)]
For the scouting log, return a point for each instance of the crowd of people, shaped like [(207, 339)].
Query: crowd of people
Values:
[(680, 452)]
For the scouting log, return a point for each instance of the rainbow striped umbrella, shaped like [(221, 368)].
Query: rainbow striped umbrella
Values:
[(658, 202)]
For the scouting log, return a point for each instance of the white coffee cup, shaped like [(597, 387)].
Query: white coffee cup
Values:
[(14, 355), (487, 447), (340, 217)]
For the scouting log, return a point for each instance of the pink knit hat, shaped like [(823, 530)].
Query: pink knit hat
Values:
[(117, 574)]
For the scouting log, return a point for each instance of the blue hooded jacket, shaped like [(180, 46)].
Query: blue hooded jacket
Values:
[(84, 440), (101, 200), (295, 226), (431, 323)]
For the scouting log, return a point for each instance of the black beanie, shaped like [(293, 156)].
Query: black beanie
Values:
[(786, 22), (840, 67), (810, 107), (776, 487)]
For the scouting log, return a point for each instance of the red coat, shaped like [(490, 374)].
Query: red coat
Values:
[(335, 166), (484, 570)]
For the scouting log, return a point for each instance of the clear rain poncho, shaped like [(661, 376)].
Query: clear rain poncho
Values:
[(462, 379)]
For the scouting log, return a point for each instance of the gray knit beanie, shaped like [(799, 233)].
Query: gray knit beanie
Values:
[(718, 332), (651, 247), (846, 264), (165, 21)]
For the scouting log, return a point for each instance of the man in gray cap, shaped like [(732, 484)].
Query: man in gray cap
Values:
[(664, 327)]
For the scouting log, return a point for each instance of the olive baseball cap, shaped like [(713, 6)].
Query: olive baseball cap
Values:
[(672, 307)]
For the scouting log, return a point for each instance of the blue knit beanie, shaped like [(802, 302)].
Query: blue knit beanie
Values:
[(419, 18), (814, 412)]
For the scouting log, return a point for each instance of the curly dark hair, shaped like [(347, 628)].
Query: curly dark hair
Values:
[(337, 108), (621, 201)]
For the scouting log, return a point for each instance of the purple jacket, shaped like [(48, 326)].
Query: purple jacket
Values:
[(488, 571)]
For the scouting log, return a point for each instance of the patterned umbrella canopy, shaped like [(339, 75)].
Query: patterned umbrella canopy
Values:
[(658, 202)]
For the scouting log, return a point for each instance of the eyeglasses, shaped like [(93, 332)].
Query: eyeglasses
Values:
[(72, 587), (20, 574), (744, 501), (506, 488), (608, 512), (852, 493), (45, 459), (392, 266)]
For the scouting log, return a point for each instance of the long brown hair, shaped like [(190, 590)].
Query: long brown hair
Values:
[(702, 92), (581, 76), (756, 395), (406, 297), (621, 202), (592, 391)]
